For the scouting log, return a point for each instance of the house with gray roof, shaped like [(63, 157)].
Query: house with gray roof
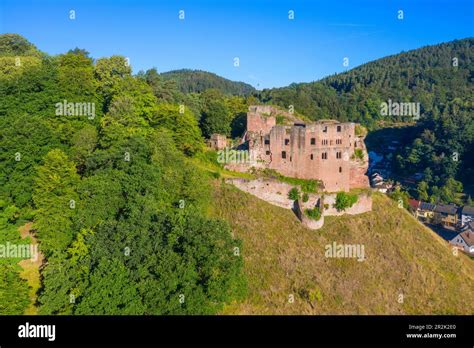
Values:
[(464, 241), (425, 212), (467, 215), (446, 215)]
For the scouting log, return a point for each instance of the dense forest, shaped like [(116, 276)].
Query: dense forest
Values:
[(98, 159), (189, 81)]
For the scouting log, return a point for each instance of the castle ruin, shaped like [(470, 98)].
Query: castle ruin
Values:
[(328, 151)]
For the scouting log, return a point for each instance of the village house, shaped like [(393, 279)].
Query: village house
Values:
[(383, 187), (446, 215), (328, 150), (464, 241), (414, 205), (376, 178), (425, 212), (467, 215), (469, 226), (377, 182), (449, 216)]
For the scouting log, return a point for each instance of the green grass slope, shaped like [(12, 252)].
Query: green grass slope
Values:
[(285, 261)]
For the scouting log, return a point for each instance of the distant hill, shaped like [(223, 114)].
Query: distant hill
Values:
[(189, 81), (431, 75), (402, 258)]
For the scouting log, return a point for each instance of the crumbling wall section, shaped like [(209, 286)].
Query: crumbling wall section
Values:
[(276, 193)]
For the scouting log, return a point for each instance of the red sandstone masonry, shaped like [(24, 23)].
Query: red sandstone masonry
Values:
[(217, 141), (320, 150), (261, 120), (276, 193)]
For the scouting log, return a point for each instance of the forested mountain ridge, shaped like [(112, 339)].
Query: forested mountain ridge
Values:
[(196, 81), (413, 71), (432, 75)]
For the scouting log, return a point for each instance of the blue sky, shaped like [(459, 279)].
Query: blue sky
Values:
[(273, 50)]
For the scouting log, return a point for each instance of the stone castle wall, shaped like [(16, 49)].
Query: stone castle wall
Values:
[(217, 141), (259, 119), (271, 191), (310, 223), (276, 193), (321, 150)]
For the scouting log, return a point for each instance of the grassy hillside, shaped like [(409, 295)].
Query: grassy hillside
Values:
[(281, 257)]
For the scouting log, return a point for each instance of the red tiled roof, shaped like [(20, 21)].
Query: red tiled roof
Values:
[(414, 203)]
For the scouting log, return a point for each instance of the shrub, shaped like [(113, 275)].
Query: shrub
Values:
[(359, 154), (306, 185), (305, 197), (314, 213), (280, 119), (294, 194), (401, 197), (344, 201), (309, 185), (360, 131)]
